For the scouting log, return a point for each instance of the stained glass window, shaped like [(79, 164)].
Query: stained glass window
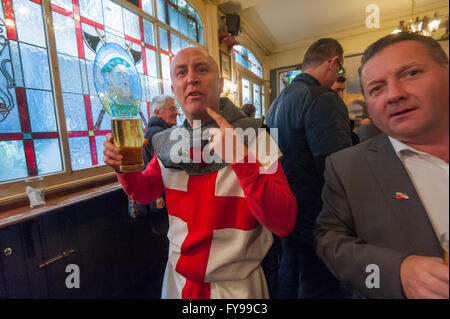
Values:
[(79, 33), (245, 57), (29, 137), (181, 16), (257, 100), (246, 92), (31, 103)]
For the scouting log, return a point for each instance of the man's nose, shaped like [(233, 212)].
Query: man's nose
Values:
[(395, 92), (192, 77)]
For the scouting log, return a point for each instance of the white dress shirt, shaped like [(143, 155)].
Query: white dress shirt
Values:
[(429, 175)]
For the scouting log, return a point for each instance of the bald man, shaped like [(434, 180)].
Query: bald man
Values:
[(221, 213)]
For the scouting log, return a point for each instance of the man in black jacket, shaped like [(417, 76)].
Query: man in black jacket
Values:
[(165, 116), (312, 122)]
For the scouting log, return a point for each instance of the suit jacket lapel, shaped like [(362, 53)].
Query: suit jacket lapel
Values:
[(393, 178)]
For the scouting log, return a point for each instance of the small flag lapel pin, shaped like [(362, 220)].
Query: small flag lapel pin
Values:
[(401, 196)]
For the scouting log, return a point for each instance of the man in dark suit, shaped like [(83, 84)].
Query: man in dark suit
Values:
[(386, 201)]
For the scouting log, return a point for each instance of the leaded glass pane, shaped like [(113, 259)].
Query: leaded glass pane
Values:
[(161, 7), (99, 147), (113, 15), (29, 22), (89, 53), (34, 58), (257, 100), (154, 86), (131, 23), (91, 9), (65, 4), (75, 112), (149, 33), (246, 93), (11, 122), (175, 43), (41, 110), (147, 6), (167, 88), (48, 156), (13, 165), (15, 58), (69, 68), (183, 21), (173, 18), (97, 107), (66, 41), (165, 66), (152, 63), (192, 30), (163, 39), (80, 153)]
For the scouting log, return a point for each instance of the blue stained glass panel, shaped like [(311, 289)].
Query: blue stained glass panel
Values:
[(90, 76), (112, 38), (99, 146), (152, 64), (113, 15), (48, 156), (163, 39), (160, 6), (41, 110), (184, 44), (154, 87), (11, 124), (89, 54), (131, 23), (147, 6), (69, 69), (183, 21), (91, 10), (96, 107), (200, 36), (17, 66), (65, 36), (75, 112), (34, 58), (149, 33), (173, 18), (167, 88), (175, 43), (165, 66), (192, 26), (65, 4), (12, 157), (80, 153), (29, 22), (144, 87)]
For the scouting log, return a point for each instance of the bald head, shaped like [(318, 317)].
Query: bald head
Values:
[(198, 52), (196, 83)]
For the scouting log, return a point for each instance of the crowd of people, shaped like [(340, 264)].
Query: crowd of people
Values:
[(360, 214)]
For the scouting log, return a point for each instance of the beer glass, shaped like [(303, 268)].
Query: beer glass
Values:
[(444, 244), (128, 136)]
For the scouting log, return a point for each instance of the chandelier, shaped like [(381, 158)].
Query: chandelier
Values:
[(425, 26)]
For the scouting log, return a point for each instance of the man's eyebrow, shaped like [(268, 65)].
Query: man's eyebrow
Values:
[(399, 71)]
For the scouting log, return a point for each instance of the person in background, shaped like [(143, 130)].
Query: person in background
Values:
[(339, 86), (164, 117), (386, 201), (249, 110), (312, 122), (366, 128)]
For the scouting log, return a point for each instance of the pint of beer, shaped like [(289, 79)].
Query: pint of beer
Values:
[(129, 138), (444, 244)]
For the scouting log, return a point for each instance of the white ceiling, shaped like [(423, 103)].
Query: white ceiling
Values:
[(288, 21)]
